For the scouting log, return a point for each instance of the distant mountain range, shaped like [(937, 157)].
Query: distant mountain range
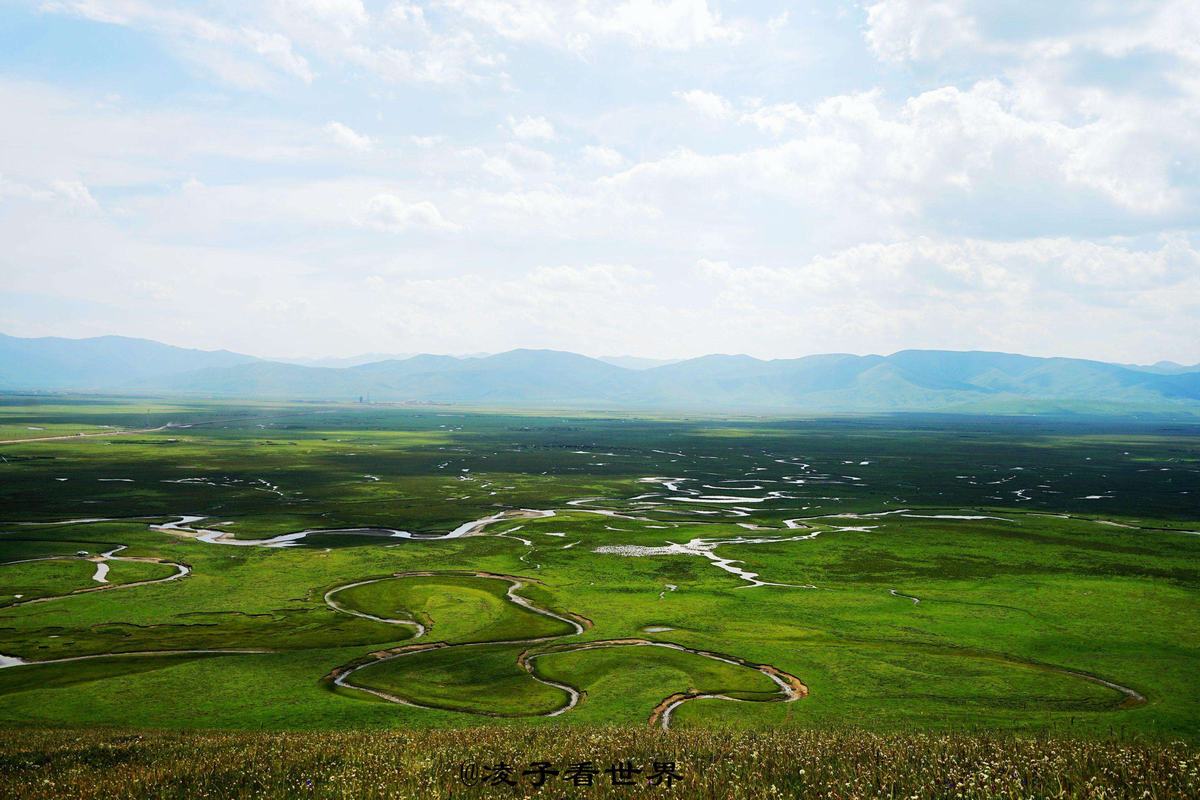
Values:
[(631, 362), (910, 380), (101, 363), (637, 362)]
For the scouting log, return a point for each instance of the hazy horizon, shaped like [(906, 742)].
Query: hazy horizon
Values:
[(369, 356), (657, 178)]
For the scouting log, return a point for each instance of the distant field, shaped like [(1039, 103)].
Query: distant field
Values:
[(323, 568)]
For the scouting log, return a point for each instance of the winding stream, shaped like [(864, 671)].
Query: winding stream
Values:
[(101, 575), (14, 661), (183, 527), (790, 687)]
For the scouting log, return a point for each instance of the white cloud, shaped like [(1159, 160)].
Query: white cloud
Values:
[(391, 213), (75, 195), (929, 30), (589, 279), (943, 158), (668, 24), (1019, 173), (232, 51), (602, 156), (439, 60), (912, 292), (501, 168), (913, 30), (775, 118), (249, 45), (344, 15), (348, 137), (577, 24), (406, 15), (52, 133), (426, 142), (532, 128), (965, 293), (707, 103), (66, 195), (276, 49)]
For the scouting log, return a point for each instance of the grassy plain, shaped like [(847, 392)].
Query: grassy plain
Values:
[(944, 575)]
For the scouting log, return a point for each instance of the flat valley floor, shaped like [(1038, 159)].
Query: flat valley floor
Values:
[(294, 567)]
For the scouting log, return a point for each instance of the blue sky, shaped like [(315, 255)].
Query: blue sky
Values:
[(663, 178)]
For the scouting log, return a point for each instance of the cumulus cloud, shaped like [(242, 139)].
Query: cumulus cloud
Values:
[(946, 157), (437, 59), (390, 213), (669, 24), (969, 293), (775, 118), (590, 278), (707, 103), (577, 24), (910, 30), (346, 136), (344, 15), (602, 156), (929, 30), (531, 128), (64, 195), (745, 184), (405, 14), (75, 195)]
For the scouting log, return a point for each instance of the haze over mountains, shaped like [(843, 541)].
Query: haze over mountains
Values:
[(910, 380)]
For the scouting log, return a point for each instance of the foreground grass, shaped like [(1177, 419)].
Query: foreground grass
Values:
[(712, 764)]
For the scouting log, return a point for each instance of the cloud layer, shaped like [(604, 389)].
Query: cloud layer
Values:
[(658, 177)]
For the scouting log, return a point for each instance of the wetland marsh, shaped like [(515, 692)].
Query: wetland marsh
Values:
[(420, 568)]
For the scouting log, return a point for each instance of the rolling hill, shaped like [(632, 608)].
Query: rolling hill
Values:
[(909, 380), (103, 362)]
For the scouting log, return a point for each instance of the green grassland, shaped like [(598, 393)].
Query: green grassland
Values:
[(43, 578), (938, 574), (483, 680), (463, 609)]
